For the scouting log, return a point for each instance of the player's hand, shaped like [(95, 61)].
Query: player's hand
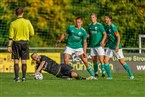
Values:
[(117, 49), (102, 44), (9, 49), (37, 72), (57, 42), (85, 55)]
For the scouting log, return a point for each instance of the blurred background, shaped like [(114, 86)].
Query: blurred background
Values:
[(51, 18)]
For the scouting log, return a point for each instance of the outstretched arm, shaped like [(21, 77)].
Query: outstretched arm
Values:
[(40, 67), (61, 38)]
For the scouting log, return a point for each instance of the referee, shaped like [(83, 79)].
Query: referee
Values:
[(19, 33)]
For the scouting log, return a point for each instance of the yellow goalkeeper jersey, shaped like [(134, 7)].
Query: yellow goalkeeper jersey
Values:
[(21, 29)]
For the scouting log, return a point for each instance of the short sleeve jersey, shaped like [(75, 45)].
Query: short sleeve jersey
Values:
[(50, 65), (75, 37), (96, 34), (112, 42), (21, 29)]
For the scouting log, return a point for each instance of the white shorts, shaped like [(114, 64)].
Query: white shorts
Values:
[(97, 51), (118, 54), (70, 51)]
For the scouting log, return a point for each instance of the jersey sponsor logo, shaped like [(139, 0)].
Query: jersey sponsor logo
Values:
[(96, 28), (80, 33), (76, 37), (109, 34), (110, 30), (93, 32)]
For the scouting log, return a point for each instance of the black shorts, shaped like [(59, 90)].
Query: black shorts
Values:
[(65, 71), (20, 49)]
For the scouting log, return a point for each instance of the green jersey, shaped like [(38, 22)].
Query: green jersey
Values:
[(112, 42), (75, 37), (96, 34)]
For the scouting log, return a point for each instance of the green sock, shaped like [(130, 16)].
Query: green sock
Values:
[(127, 68), (103, 68), (89, 69), (96, 67), (107, 68)]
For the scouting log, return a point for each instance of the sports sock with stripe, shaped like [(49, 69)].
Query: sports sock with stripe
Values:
[(89, 69), (107, 68), (96, 67), (127, 68)]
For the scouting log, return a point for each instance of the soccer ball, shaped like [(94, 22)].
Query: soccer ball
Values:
[(38, 76)]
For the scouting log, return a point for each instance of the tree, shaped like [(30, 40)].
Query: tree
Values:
[(49, 17)]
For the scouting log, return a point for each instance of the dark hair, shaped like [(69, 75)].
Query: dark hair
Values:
[(19, 11), (32, 55), (108, 15), (79, 18)]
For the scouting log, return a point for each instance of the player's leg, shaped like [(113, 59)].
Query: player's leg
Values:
[(127, 68), (24, 69), (108, 55), (120, 57), (16, 70), (66, 58), (68, 51), (15, 56), (76, 75), (24, 56), (101, 54), (68, 72), (93, 54), (89, 68), (101, 59), (94, 59)]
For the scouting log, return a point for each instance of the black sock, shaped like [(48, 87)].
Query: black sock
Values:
[(24, 69), (16, 70)]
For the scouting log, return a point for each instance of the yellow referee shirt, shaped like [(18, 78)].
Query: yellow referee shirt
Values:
[(21, 29)]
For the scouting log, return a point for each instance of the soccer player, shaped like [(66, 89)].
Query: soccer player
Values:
[(76, 43), (20, 31), (50, 66), (114, 46), (97, 36)]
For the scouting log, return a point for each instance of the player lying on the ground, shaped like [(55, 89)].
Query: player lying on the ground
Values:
[(50, 66)]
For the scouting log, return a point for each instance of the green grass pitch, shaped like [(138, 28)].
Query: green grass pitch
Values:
[(50, 86)]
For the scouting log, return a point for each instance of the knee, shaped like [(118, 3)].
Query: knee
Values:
[(94, 61), (66, 60), (16, 61), (23, 61), (122, 62), (105, 61)]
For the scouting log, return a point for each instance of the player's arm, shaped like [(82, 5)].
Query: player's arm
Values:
[(40, 67), (104, 35), (118, 41), (88, 34), (60, 39), (104, 39), (11, 35), (9, 46), (85, 47)]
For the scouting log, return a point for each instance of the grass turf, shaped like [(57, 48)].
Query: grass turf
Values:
[(50, 86)]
